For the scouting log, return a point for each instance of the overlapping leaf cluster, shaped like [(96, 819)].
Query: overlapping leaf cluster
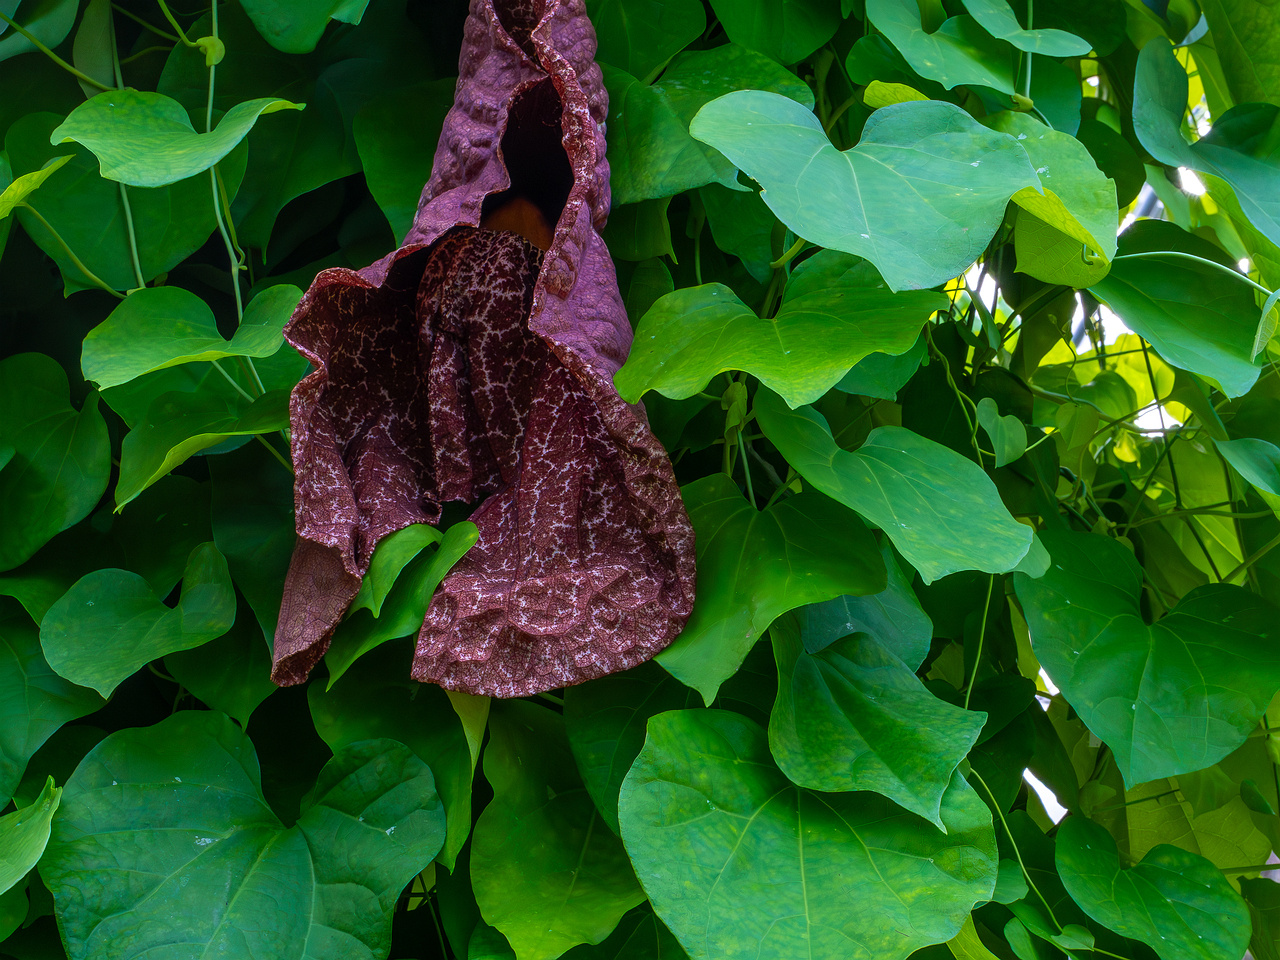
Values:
[(956, 317)]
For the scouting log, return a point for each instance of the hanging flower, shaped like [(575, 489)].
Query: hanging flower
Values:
[(476, 364)]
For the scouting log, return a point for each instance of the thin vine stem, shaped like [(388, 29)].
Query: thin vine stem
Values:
[(1177, 254), (982, 633), (133, 237), (143, 23), (995, 805)]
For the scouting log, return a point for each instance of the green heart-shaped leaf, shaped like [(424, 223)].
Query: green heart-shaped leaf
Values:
[(754, 565), (1176, 902), (164, 838), (855, 717), (835, 311), (741, 863), (958, 51), (147, 140), (17, 191), (940, 510), (1171, 697), (546, 872), (160, 327), (643, 44), (61, 457), (111, 622), (1008, 435), (786, 30), (920, 195), (376, 699)]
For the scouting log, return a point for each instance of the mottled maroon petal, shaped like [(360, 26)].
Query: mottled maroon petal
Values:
[(471, 366)]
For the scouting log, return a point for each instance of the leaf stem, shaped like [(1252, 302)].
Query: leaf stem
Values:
[(1129, 803), (178, 29), (790, 255), (97, 281), (149, 26), (274, 452), (133, 237), (1250, 560), (995, 805), (231, 380), (982, 633), (1220, 267), (31, 38)]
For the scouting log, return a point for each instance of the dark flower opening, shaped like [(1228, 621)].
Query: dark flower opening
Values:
[(471, 366)]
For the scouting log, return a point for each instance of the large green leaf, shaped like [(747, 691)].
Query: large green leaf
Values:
[(605, 720), (59, 459), (741, 863), (164, 838), (49, 21), (893, 616), (34, 701), (754, 565), (959, 51), (1196, 316), (1069, 236), (639, 936), (376, 699), (546, 871), (640, 36), (1246, 37), (835, 311), (855, 717), (147, 140), (940, 510), (1241, 149), (1177, 903), (1170, 697), (997, 19), (404, 606), (651, 154), (786, 30), (295, 26), (111, 622), (161, 327), (396, 134), (180, 425), (920, 195), (23, 835), (169, 223)]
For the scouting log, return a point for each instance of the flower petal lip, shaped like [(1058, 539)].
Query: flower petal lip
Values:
[(469, 365)]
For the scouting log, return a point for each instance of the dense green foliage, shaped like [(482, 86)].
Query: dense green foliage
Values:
[(976, 410)]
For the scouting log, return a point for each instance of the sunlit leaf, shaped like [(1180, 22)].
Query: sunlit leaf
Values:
[(939, 509), (959, 51), (919, 196), (296, 27), (23, 835), (997, 19), (835, 311), (161, 327)]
